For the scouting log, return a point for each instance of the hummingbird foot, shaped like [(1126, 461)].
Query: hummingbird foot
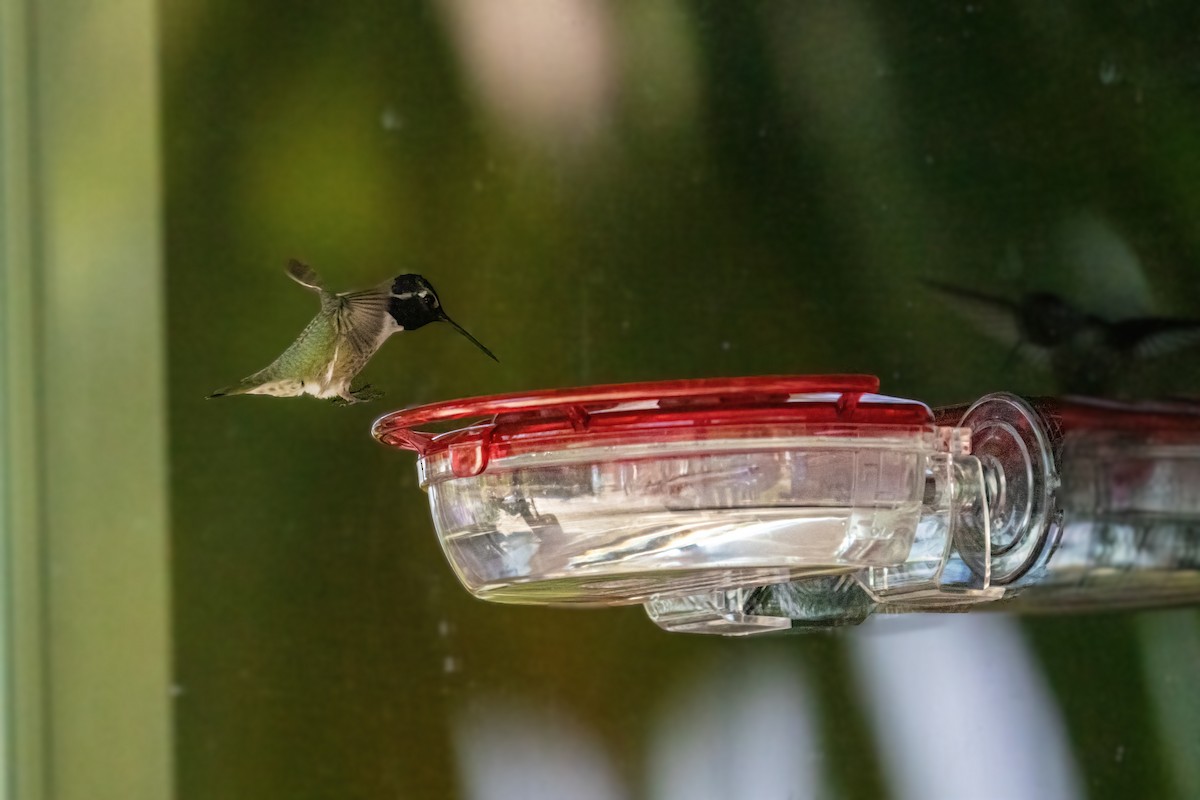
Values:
[(363, 394)]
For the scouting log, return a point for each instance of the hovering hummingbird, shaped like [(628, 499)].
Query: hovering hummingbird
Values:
[(343, 336), (1086, 354)]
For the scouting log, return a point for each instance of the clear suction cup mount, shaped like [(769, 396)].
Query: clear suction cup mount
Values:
[(1019, 481)]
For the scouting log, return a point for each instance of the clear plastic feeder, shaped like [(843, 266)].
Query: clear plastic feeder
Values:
[(748, 505), (617, 494)]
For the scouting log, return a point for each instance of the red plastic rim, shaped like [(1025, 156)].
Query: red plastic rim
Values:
[(493, 424)]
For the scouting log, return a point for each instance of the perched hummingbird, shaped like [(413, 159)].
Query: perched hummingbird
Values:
[(1086, 354), (343, 336)]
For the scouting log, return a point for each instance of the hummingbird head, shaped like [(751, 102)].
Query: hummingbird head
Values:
[(414, 303)]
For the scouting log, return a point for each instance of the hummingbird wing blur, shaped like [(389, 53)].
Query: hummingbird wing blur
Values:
[(993, 316), (1153, 337)]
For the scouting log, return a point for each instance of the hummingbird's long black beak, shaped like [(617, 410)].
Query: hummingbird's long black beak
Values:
[(446, 318)]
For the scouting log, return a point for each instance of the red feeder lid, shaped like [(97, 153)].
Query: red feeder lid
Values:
[(551, 414)]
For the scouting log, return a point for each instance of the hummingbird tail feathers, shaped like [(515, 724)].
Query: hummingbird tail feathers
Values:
[(229, 391), (251, 384), (265, 382)]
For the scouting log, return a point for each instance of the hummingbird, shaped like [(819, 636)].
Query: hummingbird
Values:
[(1086, 353), (343, 336)]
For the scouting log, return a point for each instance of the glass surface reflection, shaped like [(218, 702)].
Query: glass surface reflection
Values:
[(959, 709), (611, 193)]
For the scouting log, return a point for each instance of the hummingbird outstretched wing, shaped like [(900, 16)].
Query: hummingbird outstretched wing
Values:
[(305, 275), (362, 317)]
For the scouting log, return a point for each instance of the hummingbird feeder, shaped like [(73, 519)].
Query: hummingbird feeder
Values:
[(746, 505)]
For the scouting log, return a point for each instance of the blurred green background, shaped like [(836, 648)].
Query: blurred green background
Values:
[(624, 191)]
